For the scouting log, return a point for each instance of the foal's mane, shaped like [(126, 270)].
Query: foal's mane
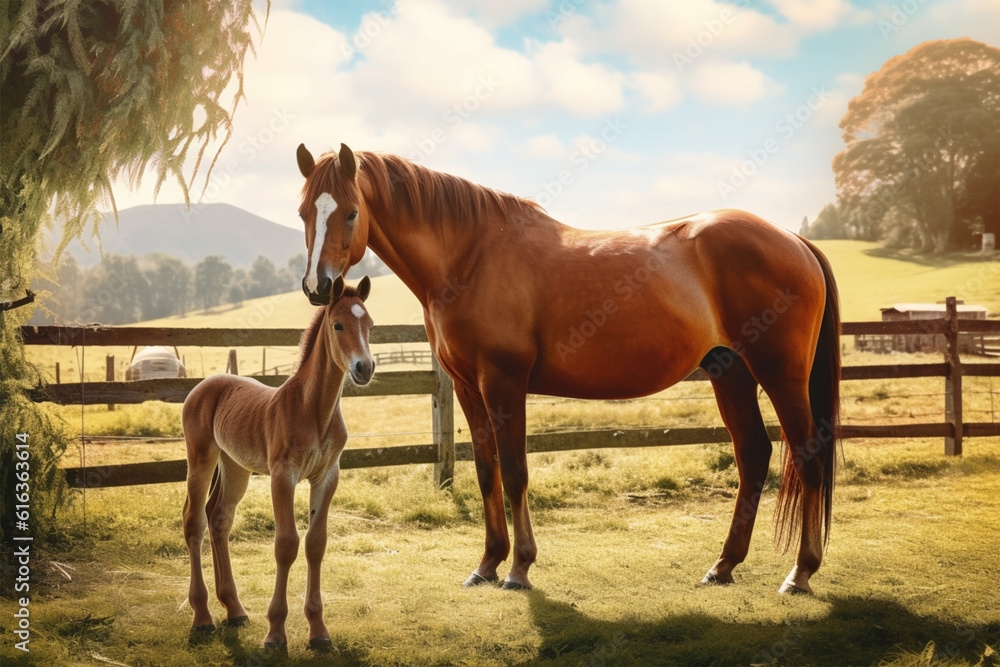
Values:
[(311, 333), (419, 191)]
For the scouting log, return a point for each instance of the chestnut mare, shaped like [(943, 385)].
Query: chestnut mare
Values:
[(240, 426), (515, 302)]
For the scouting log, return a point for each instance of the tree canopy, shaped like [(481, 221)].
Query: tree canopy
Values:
[(921, 165), (92, 92)]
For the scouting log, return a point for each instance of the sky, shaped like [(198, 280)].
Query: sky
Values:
[(609, 113)]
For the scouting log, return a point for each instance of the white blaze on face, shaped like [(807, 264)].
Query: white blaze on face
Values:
[(325, 207), (358, 311)]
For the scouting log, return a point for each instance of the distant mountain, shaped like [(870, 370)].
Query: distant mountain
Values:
[(209, 229)]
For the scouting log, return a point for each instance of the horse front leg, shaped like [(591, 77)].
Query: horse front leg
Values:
[(320, 494), (286, 548), (505, 404), (488, 473)]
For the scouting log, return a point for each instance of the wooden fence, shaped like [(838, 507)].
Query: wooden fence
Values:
[(444, 451)]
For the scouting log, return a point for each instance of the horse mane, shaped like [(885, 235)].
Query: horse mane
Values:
[(417, 190), (311, 333)]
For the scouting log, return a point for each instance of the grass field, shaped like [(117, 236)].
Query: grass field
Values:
[(624, 535)]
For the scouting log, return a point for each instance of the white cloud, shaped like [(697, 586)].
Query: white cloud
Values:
[(494, 14), (729, 84), (545, 147), (814, 15), (660, 90), (650, 32), (582, 89)]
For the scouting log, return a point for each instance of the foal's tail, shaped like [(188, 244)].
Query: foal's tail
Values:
[(824, 397)]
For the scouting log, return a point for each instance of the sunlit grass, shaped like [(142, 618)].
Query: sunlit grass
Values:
[(624, 536)]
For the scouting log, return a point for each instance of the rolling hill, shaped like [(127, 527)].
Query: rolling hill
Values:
[(209, 229)]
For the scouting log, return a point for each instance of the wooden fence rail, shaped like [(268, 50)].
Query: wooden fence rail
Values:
[(444, 451)]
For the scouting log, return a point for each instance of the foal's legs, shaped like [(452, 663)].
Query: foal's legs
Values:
[(484, 449), (736, 394), (286, 548), (505, 403), (203, 456), (320, 494), (233, 480)]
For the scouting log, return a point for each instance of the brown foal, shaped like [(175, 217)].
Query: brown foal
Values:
[(239, 426)]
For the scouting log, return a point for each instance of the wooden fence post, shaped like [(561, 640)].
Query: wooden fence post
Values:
[(231, 364), (110, 375), (953, 382), (57, 373), (443, 411)]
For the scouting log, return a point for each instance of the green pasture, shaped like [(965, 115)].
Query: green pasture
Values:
[(624, 537), (910, 575)]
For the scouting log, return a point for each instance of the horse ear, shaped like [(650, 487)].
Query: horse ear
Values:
[(338, 289), (364, 288), (347, 162), (305, 160)]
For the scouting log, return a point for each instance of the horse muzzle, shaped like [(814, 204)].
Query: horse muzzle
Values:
[(320, 297), (362, 371)]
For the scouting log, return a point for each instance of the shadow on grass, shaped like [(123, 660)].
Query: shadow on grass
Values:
[(245, 649), (856, 631), (939, 261)]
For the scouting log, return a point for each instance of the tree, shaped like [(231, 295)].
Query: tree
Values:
[(92, 91), (235, 295), (919, 140), (297, 268), (116, 292), (170, 286), (212, 276), (828, 225), (263, 280)]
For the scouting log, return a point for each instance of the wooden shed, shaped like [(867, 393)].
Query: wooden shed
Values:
[(931, 341)]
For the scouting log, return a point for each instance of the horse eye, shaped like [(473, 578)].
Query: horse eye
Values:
[(338, 326), (352, 216)]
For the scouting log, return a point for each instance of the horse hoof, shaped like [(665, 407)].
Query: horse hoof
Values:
[(276, 648), (321, 644), (237, 621), (791, 589), (509, 585), (476, 579), (712, 579)]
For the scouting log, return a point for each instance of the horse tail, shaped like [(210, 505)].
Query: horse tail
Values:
[(824, 398)]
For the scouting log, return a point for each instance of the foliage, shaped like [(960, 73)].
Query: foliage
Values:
[(212, 276), (922, 153), (827, 225), (93, 92)]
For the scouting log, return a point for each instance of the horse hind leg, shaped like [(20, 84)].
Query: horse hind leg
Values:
[(736, 394), (231, 487), (806, 485), (203, 457)]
